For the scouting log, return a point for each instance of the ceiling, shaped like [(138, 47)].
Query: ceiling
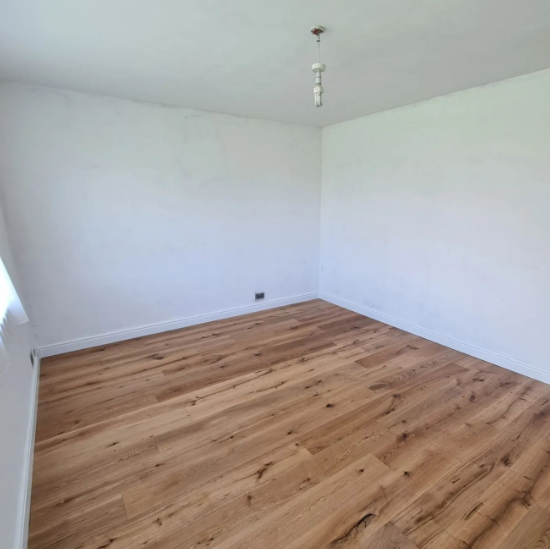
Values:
[(253, 57)]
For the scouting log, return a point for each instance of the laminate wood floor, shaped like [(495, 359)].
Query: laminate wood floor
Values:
[(304, 427)]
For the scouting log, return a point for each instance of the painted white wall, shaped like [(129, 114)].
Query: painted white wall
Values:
[(126, 214), (17, 395), (437, 215)]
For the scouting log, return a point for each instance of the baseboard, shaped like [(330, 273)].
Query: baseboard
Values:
[(22, 542), (104, 339), (483, 354)]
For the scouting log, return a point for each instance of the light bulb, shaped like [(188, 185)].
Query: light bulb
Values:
[(318, 93), (318, 90)]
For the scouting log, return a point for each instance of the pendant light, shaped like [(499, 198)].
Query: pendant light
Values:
[(318, 68)]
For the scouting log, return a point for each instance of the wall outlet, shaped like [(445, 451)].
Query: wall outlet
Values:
[(260, 295), (34, 356)]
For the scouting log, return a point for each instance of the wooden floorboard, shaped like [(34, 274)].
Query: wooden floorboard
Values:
[(304, 427)]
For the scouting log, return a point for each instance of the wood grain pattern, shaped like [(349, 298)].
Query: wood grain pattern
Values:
[(304, 427)]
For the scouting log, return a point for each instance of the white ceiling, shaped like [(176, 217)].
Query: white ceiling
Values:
[(253, 57)]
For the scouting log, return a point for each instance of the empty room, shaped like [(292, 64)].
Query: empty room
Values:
[(274, 275)]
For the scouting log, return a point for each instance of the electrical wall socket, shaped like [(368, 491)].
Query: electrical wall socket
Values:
[(260, 295)]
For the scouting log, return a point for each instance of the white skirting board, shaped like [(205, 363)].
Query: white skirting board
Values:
[(104, 339), (25, 511), (483, 354)]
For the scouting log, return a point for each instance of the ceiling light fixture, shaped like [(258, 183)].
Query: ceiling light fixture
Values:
[(318, 68)]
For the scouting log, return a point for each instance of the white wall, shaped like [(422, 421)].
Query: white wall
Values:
[(17, 396), (437, 215), (434, 216), (127, 214)]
